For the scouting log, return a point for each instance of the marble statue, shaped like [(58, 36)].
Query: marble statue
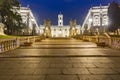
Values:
[(71, 23), (0, 18), (2, 29), (1, 26), (47, 30)]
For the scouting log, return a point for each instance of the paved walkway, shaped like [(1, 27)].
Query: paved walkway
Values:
[(60, 60)]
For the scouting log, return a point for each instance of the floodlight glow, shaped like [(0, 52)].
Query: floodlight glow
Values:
[(73, 28), (90, 20), (106, 23)]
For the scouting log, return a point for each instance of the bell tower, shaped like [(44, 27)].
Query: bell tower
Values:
[(60, 19)]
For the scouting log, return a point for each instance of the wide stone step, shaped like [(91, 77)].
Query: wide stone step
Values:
[(52, 53), (60, 38)]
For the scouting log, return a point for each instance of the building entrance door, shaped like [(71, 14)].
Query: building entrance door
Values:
[(60, 34)]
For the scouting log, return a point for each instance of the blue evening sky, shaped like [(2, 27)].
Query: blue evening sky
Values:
[(75, 9)]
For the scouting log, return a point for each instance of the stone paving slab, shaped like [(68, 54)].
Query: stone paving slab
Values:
[(95, 77), (117, 69), (47, 71), (62, 77), (28, 77), (60, 64), (31, 69), (105, 71), (75, 71), (106, 65), (6, 77), (115, 77), (84, 65)]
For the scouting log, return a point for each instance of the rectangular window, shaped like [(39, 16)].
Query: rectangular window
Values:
[(60, 23)]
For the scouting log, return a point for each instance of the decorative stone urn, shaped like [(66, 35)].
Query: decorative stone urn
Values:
[(2, 29)]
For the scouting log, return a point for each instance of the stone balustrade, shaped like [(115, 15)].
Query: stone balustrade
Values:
[(115, 42), (90, 38), (10, 44), (111, 42)]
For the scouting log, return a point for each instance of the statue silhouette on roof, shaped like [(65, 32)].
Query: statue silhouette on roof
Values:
[(0, 17)]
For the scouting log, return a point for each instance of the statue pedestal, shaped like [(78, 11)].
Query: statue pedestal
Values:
[(2, 29)]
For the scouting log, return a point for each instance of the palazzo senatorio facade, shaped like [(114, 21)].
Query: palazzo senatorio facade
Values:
[(60, 30)]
